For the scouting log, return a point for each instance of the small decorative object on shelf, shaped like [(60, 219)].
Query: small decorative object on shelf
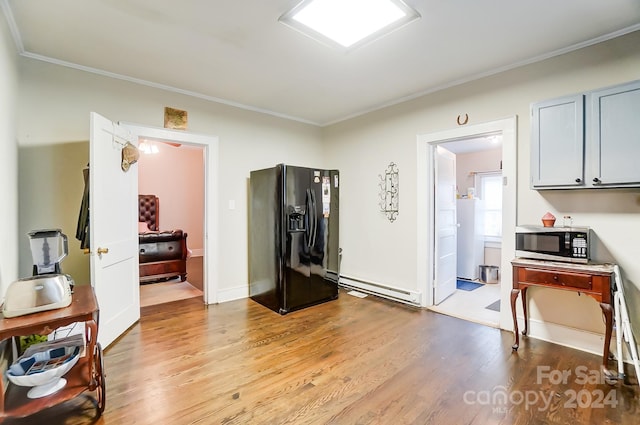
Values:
[(548, 220), (43, 370), (389, 185)]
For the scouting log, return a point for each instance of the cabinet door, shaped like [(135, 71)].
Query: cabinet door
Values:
[(615, 135), (557, 143)]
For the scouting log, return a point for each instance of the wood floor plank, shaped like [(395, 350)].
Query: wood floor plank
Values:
[(349, 361)]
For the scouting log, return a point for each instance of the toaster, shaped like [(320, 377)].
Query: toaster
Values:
[(37, 293)]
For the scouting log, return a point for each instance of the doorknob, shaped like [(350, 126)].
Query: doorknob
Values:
[(102, 251)]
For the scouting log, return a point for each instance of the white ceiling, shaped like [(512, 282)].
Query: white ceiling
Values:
[(236, 52)]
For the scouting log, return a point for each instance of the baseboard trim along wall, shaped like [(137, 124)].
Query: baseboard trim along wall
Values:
[(385, 291), (590, 342), (232, 294)]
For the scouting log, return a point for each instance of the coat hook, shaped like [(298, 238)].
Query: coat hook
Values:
[(466, 119)]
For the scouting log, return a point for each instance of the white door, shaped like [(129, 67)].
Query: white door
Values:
[(113, 229), (445, 225)]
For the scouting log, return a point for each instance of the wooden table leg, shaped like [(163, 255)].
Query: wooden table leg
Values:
[(90, 334), (608, 319), (514, 297), (523, 295)]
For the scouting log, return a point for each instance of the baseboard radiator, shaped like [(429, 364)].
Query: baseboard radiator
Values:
[(385, 291)]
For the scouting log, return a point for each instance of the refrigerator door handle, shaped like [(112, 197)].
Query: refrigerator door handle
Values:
[(309, 218), (314, 217)]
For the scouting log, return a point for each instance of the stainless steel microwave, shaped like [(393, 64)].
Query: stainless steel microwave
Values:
[(566, 244)]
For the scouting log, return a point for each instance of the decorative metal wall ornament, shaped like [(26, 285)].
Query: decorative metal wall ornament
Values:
[(389, 185)]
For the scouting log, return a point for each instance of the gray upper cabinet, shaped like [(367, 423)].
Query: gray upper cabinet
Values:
[(557, 154), (589, 140), (614, 145)]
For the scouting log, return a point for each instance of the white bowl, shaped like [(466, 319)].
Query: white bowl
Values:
[(44, 382)]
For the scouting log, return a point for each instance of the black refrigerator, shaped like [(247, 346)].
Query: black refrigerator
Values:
[(293, 237)]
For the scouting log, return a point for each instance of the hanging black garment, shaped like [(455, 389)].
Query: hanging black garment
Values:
[(82, 230)]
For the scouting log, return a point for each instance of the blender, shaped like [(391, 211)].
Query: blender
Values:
[(48, 248)]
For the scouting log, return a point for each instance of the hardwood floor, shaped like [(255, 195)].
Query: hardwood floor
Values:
[(349, 361), (165, 292), (174, 290)]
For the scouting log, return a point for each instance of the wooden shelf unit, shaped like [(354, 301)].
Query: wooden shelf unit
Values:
[(87, 374)]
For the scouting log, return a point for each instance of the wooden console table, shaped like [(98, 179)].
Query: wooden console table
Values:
[(594, 280), (88, 373)]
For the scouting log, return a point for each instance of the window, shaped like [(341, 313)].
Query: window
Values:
[(490, 191)]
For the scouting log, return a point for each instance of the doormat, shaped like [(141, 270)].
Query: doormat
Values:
[(495, 306), (467, 285)]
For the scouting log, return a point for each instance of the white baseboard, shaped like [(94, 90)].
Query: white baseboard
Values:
[(232, 294), (579, 339), (397, 294)]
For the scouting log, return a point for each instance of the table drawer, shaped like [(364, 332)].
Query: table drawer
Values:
[(553, 278)]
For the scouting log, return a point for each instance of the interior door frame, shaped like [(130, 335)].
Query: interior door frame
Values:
[(210, 146), (426, 144)]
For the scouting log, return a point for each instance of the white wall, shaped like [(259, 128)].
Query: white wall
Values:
[(474, 162), (8, 159), (50, 189), (54, 106), (377, 250)]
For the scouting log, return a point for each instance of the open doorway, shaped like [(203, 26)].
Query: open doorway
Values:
[(478, 229), (207, 146), (171, 179), (427, 227)]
